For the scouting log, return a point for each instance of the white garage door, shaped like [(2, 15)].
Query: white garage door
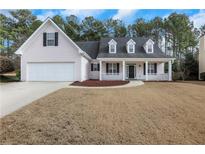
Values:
[(50, 72)]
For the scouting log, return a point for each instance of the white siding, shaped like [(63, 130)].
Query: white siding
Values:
[(140, 71), (93, 74), (84, 68), (34, 51), (160, 68)]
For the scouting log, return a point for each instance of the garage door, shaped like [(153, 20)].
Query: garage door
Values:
[(50, 72)]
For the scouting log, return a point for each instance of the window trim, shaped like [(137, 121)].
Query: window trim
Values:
[(112, 46), (114, 69), (95, 67), (112, 43), (149, 45), (152, 69), (133, 46), (131, 42), (49, 38)]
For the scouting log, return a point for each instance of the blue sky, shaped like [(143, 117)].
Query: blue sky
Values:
[(128, 16)]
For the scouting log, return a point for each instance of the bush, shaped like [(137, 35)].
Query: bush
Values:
[(202, 76), (6, 65), (18, 74)]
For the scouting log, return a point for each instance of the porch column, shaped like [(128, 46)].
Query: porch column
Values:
[(100, 70), (170, 70), (146, 70), (123, 70)]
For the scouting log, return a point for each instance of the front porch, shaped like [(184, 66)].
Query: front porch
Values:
[(135, 70)]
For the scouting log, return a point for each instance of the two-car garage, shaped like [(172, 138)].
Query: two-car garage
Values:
[(50, 71), (50, 55)]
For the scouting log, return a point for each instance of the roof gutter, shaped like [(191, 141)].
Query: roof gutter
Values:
[(84, 54)]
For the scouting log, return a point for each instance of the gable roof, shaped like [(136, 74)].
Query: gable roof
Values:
[(20, 51)]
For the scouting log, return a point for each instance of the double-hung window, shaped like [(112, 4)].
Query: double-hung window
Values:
[(131, 48), (112, 68), (95, 67), (112, 48), (150, 48), (50, 39), (152, 68)]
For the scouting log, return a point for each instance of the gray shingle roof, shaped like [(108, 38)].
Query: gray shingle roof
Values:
[(90, 47), (100, 49)]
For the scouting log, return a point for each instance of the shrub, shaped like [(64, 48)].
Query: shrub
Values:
[(18, 73), (6, 65), (202, 76)]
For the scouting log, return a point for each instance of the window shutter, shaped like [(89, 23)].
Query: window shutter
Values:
[(98, 67), (44, 39), (144, 69), (91, 66), (56, 38), (155, 67), (106, 67), (118, 68)]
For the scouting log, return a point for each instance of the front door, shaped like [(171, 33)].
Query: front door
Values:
[(131, 71)]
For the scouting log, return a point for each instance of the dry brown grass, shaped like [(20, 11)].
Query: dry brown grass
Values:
[(155, 113)]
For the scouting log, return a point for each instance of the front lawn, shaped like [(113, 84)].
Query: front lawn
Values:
[(155, 113)]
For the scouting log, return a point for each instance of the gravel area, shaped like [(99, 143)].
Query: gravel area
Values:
[(155, 113)]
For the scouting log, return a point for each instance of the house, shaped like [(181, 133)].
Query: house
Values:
[(50, 55), (202, 56)]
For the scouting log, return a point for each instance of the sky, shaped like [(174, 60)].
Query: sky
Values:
[(128, 16)]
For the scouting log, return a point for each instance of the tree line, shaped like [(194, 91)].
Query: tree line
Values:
[(178, 32)]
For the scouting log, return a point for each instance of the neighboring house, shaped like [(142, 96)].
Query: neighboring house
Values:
[(202, 56), (50, 55)]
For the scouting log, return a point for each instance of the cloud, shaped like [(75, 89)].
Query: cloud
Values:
[(46, 14), (122, 14), (5, 12), (82, 13), (198, 19)]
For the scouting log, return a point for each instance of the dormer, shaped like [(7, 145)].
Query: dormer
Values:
[(149, 46), (112, 46), (131, 46)]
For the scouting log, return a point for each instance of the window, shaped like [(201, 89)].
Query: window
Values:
[(152, 69), (95, 67), (112, 48), (50, 39), (150, 47), (112, 68), (131, 48)]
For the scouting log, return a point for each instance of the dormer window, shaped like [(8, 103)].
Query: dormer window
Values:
[(149, 46), (112, 46), (131, 46)]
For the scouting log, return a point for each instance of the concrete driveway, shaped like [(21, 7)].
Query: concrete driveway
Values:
[(17, 94)]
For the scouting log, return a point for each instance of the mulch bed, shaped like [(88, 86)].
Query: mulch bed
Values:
[(97, 83)]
